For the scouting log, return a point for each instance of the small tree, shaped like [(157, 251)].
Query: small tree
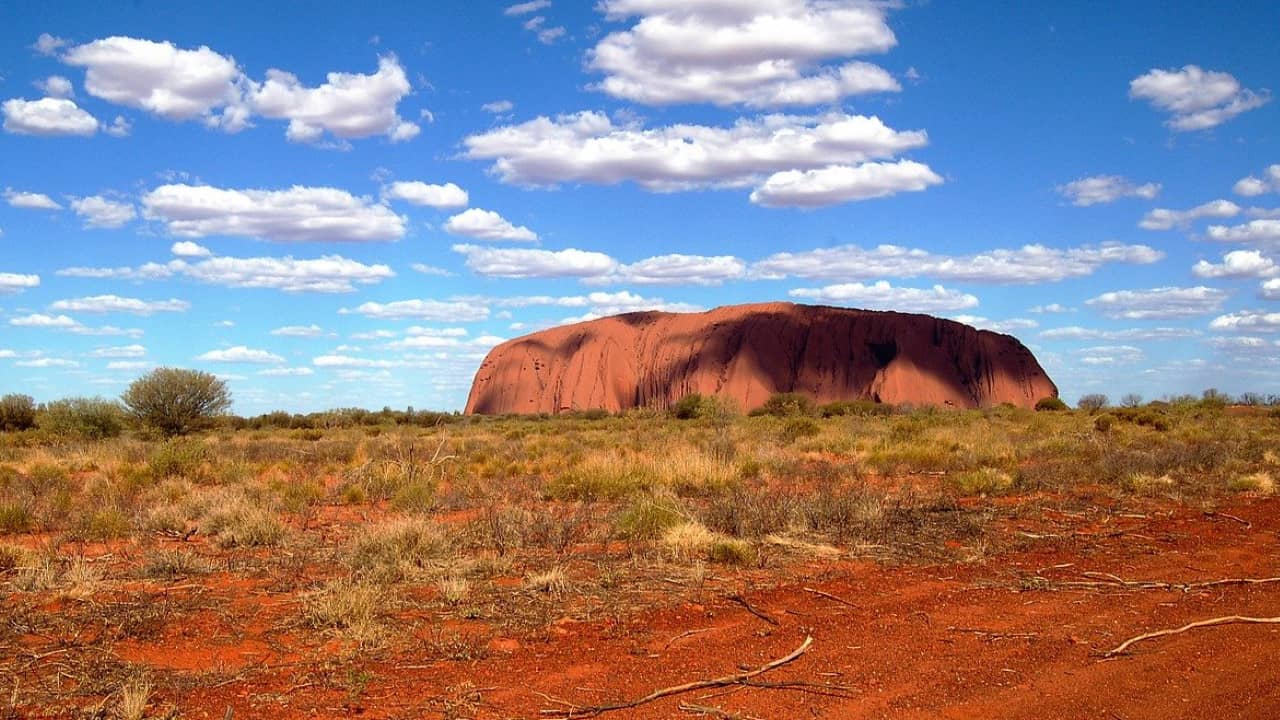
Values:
[(1132, 400), (1092, 402), (88, 418), (175, 402), (1050, 404), (17, 412)]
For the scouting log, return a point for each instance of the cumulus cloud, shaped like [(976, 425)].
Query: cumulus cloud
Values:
[(588, 147), (1238, 264), (1253, 185), (56, 86), (843, 183), (1262, 232), (299, 214), (525, 263), (498, 107), (122, 351), (165, 80), (68, 324), (48, 117), (117, 304), (1164, 219), (526, 8), (182, 84), (11, 283), (347, 105), (1026, 265), (1053, 308), (1248, 321), (764, 53), (883, 296), (48, 44), (433, 310), (326, 274), (287, 372), (1270, 290), (129, 365), (241, 354), (1103, 189), (447, 196), (1001, 326), (426, 269), (30, 200), (308, 331), (1075, 332), (99, 212), (46, 362), (186, 248), (1110, 355), (676, 269), (547, 34), (1197, 99), (1164, 302), (487, 225)]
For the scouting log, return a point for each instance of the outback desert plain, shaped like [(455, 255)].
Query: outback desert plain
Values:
[(729, 359)]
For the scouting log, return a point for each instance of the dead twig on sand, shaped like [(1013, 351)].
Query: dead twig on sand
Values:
[(712, 711), (685, 634), (1105, 581), (735, 679), (753, 609), (829, 596), (995, 634), (1228, 620), (1214, 513)]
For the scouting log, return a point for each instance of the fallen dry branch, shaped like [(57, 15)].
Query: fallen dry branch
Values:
[(753, 609), (829, 596), (1107, 581), (735, 679), (1228, 620)]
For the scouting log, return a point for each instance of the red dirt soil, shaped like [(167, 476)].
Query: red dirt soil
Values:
[(958, 640), (746, 353)]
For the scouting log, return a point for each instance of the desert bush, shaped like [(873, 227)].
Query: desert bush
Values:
[(1051, 404), (106, 523), (349, 605), (17, 412), (866, 408), (689, 540), (172, 401), (168, 564), (396, 549), (789, 404), (82, 417), (1092, 402), (1259, 482), (236, 521), (1103, 422), (751, 513), (179, 459), (732, 551), (798, 427), (1131, 400), (983, 481), (649, 516), (15, 517)]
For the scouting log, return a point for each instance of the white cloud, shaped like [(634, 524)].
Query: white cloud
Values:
[(47, 117), (1164, 219), (525, 263), (763, 53), (1238, 264), (40, 320), (242, 354), (883, 296), (1001, 326), (326, 274), (308, 331), (56, 86), (1075, 332), (433, 310), (1197, 99), (676, 269), (1102, 189), (1248, 321), (843, 183), (47, 363), (347, 105), (123, 351), (129, 365), (499, 107), (345, 361), (120, 127), (1164, 302), (1253, 186), (186, 248), (1264, 232), (30, 200), (525, 8), (115, 303), (1051, 308), (99, 212), (487, 225), (588, 147), (11, 283), (1111, 355), (1029, 264), (299, 214), (48, 44), (1244, 345), (164, 80), (1270, 290), (430, 270), (445, 196), (287, 372)]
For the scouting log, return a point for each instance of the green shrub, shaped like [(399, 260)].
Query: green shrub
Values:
[(866, 408), (1103, 423), (789, 404), (1051, 404), (983, 481), (179, 459), (799, 427), (648, 517), (15, 518), (731, 551), (17, 412), (688, 407), (175, 402), (87, 418)]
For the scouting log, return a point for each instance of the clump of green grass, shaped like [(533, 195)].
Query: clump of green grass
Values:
[(732, 551), (983, 481), (1260, 482), (649, 516)]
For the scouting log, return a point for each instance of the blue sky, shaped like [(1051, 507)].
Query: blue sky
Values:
[(348, 205)]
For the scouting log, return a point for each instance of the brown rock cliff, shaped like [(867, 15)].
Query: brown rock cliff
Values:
[(747, 353)]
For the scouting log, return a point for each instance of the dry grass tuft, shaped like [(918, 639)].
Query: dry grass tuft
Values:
[(554, 581)]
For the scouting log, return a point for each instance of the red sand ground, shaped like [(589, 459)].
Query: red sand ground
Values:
[(960, 640)]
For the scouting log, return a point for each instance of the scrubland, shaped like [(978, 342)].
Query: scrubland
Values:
[(406, 571)]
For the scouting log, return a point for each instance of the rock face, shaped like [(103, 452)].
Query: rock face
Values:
[(746, 353)]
